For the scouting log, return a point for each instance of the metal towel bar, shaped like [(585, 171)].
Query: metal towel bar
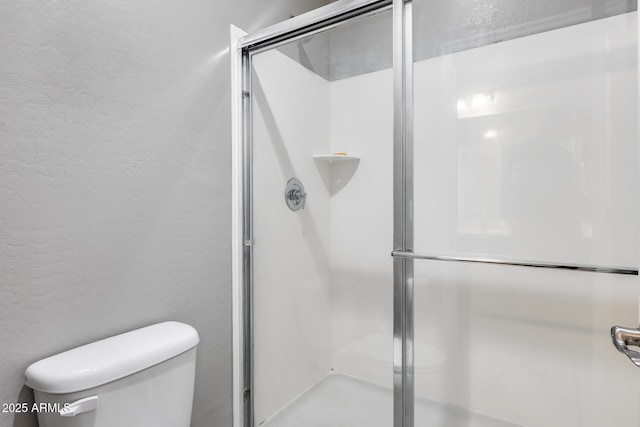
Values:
[(577, 267)]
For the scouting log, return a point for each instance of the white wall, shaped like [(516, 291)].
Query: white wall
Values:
[(547, 170), (291, 290), (362, 226), (115, 179)]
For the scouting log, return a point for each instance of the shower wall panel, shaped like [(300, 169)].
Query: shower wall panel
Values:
[(362, 227), (292, 326)]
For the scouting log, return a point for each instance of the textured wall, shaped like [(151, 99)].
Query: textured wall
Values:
[(115, 179)]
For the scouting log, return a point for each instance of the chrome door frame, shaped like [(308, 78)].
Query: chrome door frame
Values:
[(340, 13), (403, 318)]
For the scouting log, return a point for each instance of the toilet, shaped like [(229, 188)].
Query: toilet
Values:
[(140, 378)]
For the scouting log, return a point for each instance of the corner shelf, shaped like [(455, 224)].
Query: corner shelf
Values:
[(336, 169), (335, 157)]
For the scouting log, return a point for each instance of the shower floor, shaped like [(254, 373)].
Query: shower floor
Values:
[(339, 400)]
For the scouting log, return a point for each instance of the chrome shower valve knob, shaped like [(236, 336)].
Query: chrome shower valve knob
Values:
[(294, 194)]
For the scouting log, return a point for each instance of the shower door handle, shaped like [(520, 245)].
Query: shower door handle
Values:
[(623, 338)]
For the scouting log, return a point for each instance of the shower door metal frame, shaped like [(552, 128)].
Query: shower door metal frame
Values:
[(342, 12), (403, 318)]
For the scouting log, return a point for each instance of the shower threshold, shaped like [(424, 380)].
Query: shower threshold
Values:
[(339, 400)]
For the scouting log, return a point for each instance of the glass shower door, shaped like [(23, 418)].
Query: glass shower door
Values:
[(525, 149), (322, 113)]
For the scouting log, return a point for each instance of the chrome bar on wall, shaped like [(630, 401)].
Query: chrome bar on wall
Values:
[(557, 266)]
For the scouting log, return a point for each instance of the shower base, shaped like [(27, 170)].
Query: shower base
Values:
[(339, 400)]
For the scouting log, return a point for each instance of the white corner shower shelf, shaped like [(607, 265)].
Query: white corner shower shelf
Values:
[(336, 157)]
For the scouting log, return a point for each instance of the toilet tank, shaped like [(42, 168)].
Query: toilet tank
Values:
[(140, 378)]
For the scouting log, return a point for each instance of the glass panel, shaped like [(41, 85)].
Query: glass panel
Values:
[(525, 149), (502, 346), (323, 300), (442, 27)]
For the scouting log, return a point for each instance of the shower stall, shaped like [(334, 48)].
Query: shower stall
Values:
[(437, 215)]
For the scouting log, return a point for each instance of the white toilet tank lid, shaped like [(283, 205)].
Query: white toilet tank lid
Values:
[(110, 359)]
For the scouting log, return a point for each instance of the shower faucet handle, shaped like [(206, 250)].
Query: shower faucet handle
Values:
[(294, 194), (297, 196)]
